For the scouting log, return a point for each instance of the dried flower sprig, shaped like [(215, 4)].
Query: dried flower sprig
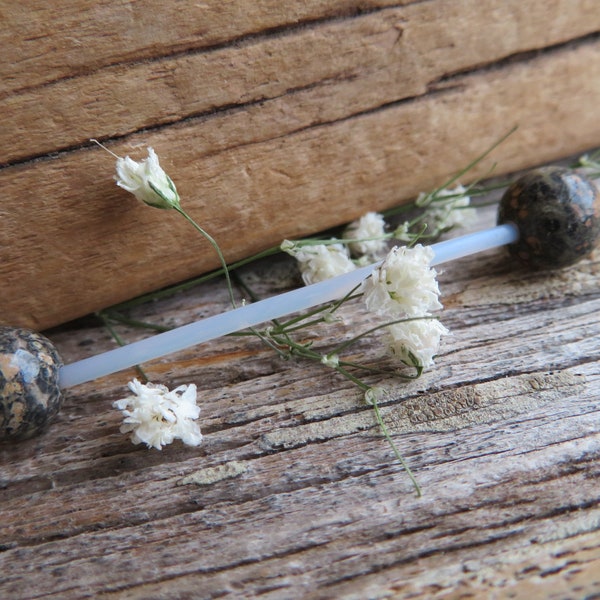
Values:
[(148, 182), (366, 240), (353, 238), (156, 416), (403, 290), (366, 237), (319, 261)]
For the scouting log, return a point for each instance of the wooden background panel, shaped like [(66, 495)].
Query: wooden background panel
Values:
[(269, 136), (43, 42), (357, 63), (72, 242)]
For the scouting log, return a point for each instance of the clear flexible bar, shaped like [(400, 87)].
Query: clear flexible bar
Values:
[(250, 315), (472, 243)]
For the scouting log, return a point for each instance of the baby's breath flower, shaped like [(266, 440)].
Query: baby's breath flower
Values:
[(375, 395), (589, 165), (330, 360), (147, 181), (402, 233), (331, 317), (156, 416), (289, 246), (447, 209), (415, 342), (404, 284), (368, 235), (321, 261)]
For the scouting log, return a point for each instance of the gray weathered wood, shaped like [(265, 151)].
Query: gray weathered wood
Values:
[(294, 493)]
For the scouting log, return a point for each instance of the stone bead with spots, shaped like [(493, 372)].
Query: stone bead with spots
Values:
[(557, 212), (29, 391)]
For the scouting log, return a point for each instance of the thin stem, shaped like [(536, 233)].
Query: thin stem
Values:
[(265, 338), (119, 318), (217, 249), (297, 322), (399, 456), (375, 371), (171, 291), (331, 308), (304, 324), (478, 159), (458, 175), (119, 340), (352, 341), (383, 427)]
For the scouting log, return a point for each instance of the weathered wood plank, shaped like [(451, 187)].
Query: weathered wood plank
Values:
[(82, 232), (354, 64), (295, 494), (44, 42)]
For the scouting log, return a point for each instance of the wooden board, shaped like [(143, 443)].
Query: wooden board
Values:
[(274, 119), (294, 493)]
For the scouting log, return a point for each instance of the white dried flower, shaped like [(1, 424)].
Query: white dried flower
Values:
[(415, 342), (402, 233), (321, 261), (332, 317), (289, 246), (369, 236), (448, 209), (374, 395), (589, 165), (404, 284), (147, 181), (156, 416), (330, 360)]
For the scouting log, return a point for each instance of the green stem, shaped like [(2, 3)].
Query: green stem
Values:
[(119, 340), (355, 339), (374, 371), (303, 324), (363, 386), (214, 244), (332, 307), (119, 318), (477, 160), (399, 456), (265, 338), (171, 291)]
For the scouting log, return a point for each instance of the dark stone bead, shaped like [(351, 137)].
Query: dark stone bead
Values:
[(557, 212), (29, 392)]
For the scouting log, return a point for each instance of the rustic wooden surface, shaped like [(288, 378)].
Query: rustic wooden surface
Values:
[(294, 493), (274, 119)]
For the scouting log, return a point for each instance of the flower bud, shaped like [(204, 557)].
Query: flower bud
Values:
[(147, 181)]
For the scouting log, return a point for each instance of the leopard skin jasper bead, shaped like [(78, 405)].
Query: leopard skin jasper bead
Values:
[(29, 392), (557, 212)]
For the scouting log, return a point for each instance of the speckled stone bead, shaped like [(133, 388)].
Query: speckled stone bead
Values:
[(557, 212), (29, 392)]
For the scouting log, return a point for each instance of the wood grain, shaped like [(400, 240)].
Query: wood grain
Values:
[(280, 119), (88, 244), (275, 120), (294, 493), (353, 64), (45, 42)]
